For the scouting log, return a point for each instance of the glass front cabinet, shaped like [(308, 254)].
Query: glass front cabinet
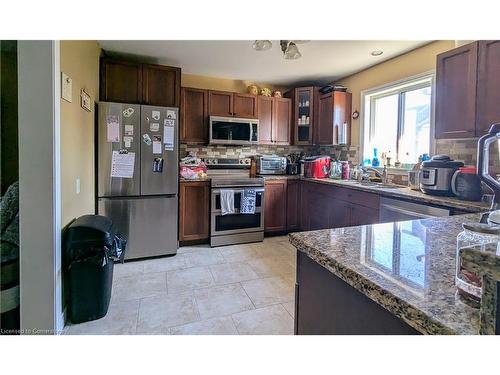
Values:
[(303, 114)]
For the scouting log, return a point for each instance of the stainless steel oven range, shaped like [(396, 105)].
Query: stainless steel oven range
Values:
[(234, 228)]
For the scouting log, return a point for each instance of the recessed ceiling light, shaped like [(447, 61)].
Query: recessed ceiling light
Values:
[(376, 53)]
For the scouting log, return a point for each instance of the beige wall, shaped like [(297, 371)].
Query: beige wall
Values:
[(222, 84), (414, 62), (79, 60)]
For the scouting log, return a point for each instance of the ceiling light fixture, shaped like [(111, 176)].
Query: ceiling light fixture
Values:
[(288, 47), (290, 50), (376, 53), (262, 45)]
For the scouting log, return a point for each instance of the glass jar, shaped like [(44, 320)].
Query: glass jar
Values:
[(335, 170), (482, 236)]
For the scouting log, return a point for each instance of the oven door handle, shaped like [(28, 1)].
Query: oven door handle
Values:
[(257, 190)]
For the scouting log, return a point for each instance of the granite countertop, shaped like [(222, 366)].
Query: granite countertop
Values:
[(196, 180), (280, 176), (398, 192), (406, 267), (406, 193)]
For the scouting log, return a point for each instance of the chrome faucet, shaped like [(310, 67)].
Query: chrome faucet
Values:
[(382, 176)]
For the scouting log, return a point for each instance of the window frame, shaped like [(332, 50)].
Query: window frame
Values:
[(396, 87)]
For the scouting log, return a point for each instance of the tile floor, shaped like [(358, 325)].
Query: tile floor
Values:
[(239, 289)]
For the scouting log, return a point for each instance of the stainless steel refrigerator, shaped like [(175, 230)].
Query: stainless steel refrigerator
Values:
[(137, 166)]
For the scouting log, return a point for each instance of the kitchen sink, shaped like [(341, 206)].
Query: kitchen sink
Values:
[(386, 186), (372, 184)]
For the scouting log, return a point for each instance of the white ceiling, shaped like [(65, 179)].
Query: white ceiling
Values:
[(321, 62)]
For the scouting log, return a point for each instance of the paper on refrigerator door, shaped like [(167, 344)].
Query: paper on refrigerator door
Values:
[(122, 164), (157, 144), (171, 114), (129, 129), (112, 128), (168, 134), (128, 141)]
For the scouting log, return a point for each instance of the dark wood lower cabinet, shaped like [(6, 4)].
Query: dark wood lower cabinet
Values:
[(327, 305), (324, 207), (194, 213), (275, 206), (316, 204), (342, 214), (361, 215), (293, 205)]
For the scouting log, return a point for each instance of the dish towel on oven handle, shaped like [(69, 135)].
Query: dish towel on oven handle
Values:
[(227, 201), (247, 205)]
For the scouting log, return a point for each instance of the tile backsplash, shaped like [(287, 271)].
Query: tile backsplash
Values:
[(230, 152), (465, 150)]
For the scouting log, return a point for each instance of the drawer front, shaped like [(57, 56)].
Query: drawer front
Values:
[(358, 197), (349, 195)]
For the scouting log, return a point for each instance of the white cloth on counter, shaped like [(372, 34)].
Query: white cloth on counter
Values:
[(227, 201), (248, 197)]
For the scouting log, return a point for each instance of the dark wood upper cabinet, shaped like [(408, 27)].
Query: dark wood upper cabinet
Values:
[(232, 104), (456, 78), (220, 103), (274, 120), (275, 206), (194, 115), (323, 132), (334, 111), (194, 215), (245, 105), (306, 116), (161, 85), (488, 86), (281, 123), (137, 83), (120, 81), (293, 205), (468, 90), (304, 105), (266, 113)]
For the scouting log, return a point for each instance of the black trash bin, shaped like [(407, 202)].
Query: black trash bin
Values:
[(90, 247)]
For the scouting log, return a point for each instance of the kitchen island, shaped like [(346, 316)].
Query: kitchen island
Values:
[(390, 278)]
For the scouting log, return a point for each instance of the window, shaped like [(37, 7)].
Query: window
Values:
[(397, 121)]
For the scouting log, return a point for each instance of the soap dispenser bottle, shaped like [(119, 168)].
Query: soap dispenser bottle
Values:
[(375, 161)]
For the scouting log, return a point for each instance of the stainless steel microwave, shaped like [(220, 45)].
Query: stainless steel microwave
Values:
[(233, 131)]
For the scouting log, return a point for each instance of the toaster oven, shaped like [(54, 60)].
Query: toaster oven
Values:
[(271, 164)]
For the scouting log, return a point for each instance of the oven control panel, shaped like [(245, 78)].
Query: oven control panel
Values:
[(227, 163)]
